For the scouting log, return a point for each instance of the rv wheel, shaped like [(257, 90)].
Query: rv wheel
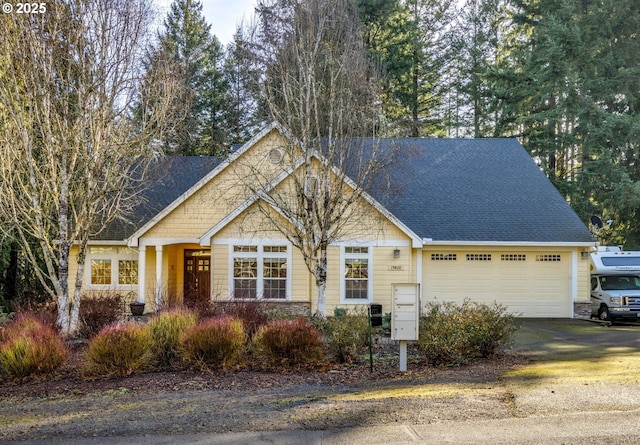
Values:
[(603, 313)]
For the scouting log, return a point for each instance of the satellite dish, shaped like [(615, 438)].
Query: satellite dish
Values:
[(596, 222)]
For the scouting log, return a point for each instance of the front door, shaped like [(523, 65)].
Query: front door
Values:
[(197, 277)]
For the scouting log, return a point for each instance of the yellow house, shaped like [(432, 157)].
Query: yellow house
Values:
[(464, 219)]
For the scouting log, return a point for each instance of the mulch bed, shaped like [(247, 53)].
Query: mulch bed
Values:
[(70, 379)]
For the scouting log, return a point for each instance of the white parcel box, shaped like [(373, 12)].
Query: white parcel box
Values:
[(405, 311)]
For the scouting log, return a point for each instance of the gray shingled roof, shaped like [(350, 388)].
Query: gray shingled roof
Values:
[(444, 189), (477, 190), (169, 178)]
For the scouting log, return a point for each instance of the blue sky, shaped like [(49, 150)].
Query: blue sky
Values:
[(223, 15)]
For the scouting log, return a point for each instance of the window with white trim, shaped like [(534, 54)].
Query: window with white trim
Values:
[(112, 268), (260, 272), (127, 271), (100, 271), (356, 282)]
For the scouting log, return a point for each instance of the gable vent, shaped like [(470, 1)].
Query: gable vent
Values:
[(276, 155)]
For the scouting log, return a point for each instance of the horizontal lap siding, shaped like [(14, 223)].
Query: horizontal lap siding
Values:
[(528, 288)]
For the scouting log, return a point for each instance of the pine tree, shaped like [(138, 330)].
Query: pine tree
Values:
[(197, 57), (410, 40), (569, 75)]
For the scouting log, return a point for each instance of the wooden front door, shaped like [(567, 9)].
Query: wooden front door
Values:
[(197, 277)]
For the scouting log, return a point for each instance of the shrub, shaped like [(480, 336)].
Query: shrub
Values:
[(346, 335), (46, 313), (216, 343), (21, 322), (30, 348), (253, 313), (164, 331), (453, 335), (99, 312), (117, 350), (289, 343)]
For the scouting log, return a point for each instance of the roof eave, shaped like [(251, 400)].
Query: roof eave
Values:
[(429, 242)]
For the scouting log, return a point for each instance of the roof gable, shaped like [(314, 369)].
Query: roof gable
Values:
[(181, 195), (168, 179), (264, 196)]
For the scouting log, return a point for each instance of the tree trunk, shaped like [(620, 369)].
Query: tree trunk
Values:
[(74, 312), (321, 281), (63, 290), (415, 106)]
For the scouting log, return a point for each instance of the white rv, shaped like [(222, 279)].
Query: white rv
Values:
[(615, 284)]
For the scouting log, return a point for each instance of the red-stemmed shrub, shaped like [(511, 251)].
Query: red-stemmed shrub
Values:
[(253, 313), (289, 344), (99, 312), (117, 350), (216, 343)]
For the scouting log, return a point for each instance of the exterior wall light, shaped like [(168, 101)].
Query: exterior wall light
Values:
[(396, 253)]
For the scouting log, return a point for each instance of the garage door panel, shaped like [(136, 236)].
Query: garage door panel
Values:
[(529, 287)]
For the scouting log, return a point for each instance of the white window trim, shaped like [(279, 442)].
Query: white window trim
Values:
[(344, 256), (114, 257), (260, 255)]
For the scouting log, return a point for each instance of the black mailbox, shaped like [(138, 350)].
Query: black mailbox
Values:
[(375, 312)]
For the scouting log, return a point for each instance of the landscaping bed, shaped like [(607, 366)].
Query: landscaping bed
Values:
[(67, 405), (179, 373)]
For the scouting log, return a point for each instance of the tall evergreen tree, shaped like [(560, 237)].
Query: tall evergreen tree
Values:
[(410, 40), (571, 72), (244, 113), (198, 61), (471, 106)]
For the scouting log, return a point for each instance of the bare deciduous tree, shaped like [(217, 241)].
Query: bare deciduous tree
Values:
[(319, 85), (70, 159)]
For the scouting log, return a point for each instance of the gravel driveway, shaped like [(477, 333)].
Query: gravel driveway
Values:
[(556, 366)]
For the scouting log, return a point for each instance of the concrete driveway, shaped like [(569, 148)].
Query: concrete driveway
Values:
[(578, 367), (557, 338)]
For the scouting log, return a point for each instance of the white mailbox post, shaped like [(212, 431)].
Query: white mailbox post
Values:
[(405, 316)]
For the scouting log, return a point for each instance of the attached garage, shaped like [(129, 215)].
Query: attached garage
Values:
[(494, 228), (531, 283)]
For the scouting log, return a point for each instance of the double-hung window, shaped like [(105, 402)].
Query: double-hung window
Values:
[(261, 271), (357, 282)]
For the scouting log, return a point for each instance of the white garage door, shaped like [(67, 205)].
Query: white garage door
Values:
[(531, 284)]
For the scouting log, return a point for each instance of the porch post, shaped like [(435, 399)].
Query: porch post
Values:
[(158, 278), (142, 267)]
